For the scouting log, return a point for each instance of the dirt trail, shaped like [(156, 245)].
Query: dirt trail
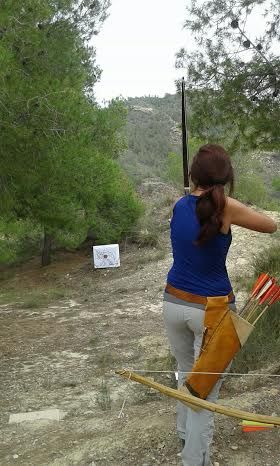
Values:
[(63, 356)]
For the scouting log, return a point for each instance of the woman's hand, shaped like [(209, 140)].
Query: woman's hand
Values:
[(239, 214)]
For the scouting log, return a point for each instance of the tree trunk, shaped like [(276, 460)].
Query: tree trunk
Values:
[(46, 252)]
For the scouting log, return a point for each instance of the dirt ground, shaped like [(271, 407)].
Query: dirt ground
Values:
[(64, 355)]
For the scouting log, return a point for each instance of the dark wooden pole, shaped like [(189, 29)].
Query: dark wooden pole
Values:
[(185, 140)]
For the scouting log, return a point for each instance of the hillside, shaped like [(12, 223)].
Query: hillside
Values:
[(153, 130)]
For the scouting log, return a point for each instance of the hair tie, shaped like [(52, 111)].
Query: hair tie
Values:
[(219, 183)]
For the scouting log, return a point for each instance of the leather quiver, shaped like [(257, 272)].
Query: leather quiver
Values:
[(225, 333)]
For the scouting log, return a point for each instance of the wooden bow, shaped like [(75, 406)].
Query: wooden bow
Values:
[(216, 408)]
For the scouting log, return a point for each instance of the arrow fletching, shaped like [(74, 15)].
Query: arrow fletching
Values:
[(265, 288), (256, 429), (260, 282), (275, 297), (273, 289), (251, 426)]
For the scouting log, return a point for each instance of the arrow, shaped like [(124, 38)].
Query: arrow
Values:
[(273, 300)]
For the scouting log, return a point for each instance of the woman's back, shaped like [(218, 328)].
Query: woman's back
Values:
[(201, 237), (197, 269)]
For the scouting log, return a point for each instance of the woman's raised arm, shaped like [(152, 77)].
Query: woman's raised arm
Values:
[(237, 213)]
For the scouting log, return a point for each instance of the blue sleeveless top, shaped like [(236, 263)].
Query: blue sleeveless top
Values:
[(202, 269)]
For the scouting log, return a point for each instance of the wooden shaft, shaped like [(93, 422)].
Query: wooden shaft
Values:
[(245, 307), (252, 311), (203, 404), (261, 314), (253, 315), (251, 305)]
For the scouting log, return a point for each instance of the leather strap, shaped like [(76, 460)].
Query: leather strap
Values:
[(191, 298)]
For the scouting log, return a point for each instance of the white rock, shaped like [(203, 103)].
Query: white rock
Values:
[(49, 414)]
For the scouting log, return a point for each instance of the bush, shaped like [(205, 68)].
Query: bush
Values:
[(146, 232), (19, 240), (118, 210), (276, 183), (263, 345), (250, 188)]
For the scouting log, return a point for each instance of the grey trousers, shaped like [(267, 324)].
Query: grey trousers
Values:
[(184, 326)]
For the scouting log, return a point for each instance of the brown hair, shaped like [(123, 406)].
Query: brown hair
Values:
[(211, 170)]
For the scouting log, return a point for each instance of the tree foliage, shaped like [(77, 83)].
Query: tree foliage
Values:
[(58, 148), (233, 73)]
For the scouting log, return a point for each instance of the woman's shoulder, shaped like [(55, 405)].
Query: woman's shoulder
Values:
[(178, 206), (234, 210), (244, 216), (179, 202), (233, 204), (185, 199)]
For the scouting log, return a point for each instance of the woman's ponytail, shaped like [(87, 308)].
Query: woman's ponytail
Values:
[(209, 209), (211, 170)]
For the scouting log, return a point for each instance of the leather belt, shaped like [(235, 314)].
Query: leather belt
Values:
[(191, 298)]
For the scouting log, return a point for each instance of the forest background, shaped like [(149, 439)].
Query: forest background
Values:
[(75, 173), (69, 168)]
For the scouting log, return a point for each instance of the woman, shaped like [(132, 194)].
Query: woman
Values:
[(201, 237)]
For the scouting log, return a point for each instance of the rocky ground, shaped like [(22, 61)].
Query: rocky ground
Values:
[(63, 356)]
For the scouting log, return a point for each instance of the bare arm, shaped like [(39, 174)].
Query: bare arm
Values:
[(237, 213)]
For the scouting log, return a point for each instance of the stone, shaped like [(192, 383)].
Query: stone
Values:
[(234, 447), (48, 414)]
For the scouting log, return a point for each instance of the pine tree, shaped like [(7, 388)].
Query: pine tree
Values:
[(234, 77), (57, 150)]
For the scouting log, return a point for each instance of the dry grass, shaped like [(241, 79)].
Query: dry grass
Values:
[(32, 298)]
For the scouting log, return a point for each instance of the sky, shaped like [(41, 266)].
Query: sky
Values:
[(137, 44), (136, 48)]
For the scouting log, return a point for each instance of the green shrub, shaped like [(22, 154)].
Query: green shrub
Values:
[(276, 183), (174, 163), (174, 169), (263, 345), (19, 240), (251, 185), (251, 188), (146, 232)]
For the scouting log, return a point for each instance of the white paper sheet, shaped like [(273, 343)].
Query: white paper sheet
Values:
[(105, 256)]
